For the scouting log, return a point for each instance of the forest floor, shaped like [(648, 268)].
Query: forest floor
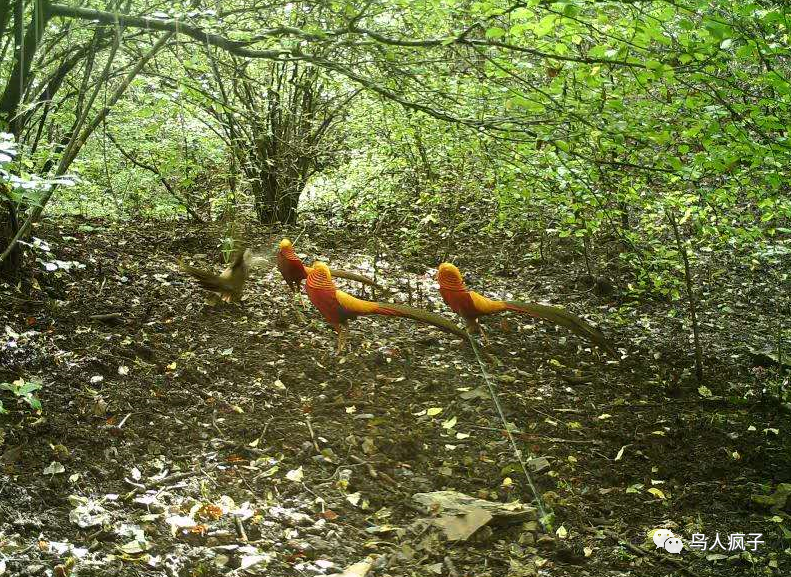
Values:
[(188, 438)]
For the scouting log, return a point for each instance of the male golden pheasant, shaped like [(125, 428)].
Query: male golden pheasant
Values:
[(471, 305), (294, 270), (338, 307), (228, 283)]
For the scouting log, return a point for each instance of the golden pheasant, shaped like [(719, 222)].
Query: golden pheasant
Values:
[(338, 307), (294, 270), (228, 283), (471, 305)]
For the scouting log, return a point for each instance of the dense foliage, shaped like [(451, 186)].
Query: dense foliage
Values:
[(604, 122)]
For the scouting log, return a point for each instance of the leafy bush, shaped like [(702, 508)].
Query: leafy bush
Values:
[(23, 391)]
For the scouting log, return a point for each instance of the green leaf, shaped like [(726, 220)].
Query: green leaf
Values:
[(529, 105), (28, 387), (495, 32), (545, 25), (33, 402), (571, 10)]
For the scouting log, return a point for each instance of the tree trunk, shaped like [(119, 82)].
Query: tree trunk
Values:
[(287, 207), (274, 203), (9, 226), (26, 44)]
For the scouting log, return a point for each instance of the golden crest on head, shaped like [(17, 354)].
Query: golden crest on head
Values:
[(321, 269), (447, 269), (285, 243)]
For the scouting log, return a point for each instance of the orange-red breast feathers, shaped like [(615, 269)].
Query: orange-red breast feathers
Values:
[(289, 264), (469, 304), (453, 291), (322, 293)]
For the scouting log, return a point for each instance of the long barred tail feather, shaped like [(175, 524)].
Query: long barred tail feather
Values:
[(348, 275), (420, 315), (564, 318)]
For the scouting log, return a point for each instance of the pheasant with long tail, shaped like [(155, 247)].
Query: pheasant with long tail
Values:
[(470, 306), (294, 270), (230, 282), (338, 307)]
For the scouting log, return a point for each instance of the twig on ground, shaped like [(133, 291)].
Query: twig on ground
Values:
[(240, 529), (312, 434), (174, 478), (653, 556), (109, 318), (371, 471)]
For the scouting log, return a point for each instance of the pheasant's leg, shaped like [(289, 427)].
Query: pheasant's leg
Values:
[(292, 294), (298, 289), (290, 290), (343, 332), (474, 328), (484, 338)]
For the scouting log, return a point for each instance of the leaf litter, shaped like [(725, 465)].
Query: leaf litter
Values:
[(229, 440)]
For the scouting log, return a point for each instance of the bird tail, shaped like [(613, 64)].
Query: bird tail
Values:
[(563, 318), (207, 280), (422, 316), (337, 273)]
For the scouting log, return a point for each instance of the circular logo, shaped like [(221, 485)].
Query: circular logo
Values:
[(673, 545), (660, 536)]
